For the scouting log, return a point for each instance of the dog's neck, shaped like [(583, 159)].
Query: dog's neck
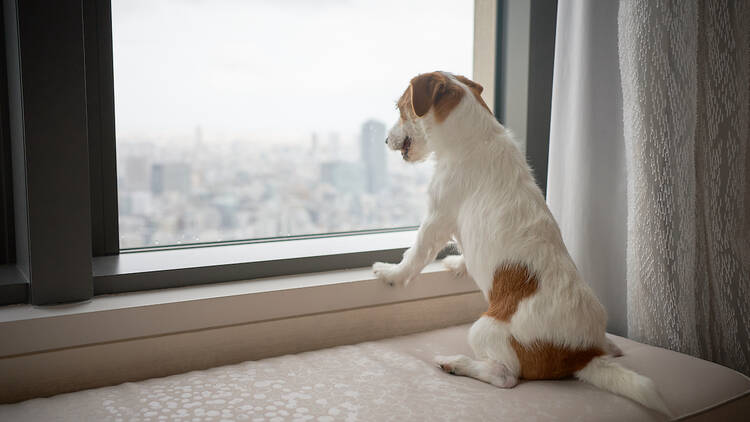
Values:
[(476, 139), (470, 130)]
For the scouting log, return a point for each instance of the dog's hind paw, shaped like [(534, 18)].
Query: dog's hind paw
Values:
[(453, 364)]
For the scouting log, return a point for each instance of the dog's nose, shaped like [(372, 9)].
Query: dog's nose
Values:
[(386, 140)]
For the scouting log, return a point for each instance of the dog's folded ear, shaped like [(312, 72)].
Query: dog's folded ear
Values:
[(434, 90), (425, 91)]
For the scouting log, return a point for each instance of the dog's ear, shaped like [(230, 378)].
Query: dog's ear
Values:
[(471, 84), (426, 90), (475, 88)]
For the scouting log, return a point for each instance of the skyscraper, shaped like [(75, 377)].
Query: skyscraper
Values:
[(372, 147), (170, 177)]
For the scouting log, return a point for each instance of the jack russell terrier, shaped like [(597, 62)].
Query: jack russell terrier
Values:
[(543, 321)]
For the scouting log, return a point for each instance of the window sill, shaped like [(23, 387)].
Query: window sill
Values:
[(125, 316)]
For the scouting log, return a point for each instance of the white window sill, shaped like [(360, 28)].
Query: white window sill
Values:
[(110, 318)]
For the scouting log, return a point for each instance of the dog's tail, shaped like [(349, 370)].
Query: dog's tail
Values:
[(608, 375)]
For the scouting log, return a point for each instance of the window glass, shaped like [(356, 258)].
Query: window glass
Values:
[(253, 119)]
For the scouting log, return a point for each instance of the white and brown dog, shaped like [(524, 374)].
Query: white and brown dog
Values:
[(543, 321)]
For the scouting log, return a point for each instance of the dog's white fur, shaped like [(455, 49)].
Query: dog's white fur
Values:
[(484, 196)]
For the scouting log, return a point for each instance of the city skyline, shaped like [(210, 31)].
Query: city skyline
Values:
[(184, 193), (252, 119)]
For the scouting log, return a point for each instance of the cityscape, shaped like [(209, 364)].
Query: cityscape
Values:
[(196, 190), (249, 120)]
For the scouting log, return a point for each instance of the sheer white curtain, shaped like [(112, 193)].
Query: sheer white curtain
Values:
[(586, 183), (679, 123)]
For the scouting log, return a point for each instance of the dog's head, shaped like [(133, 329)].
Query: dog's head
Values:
[(430, 99)]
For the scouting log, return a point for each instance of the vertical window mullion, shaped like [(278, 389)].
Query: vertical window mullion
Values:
[(525, 55), (543, 23), (7, 232), (500, 59), (97, 22), (49, 138)]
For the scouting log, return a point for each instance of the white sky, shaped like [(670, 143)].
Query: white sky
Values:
[(276, 69)]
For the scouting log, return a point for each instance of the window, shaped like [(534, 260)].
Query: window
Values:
[(261, 119), (61, 128)]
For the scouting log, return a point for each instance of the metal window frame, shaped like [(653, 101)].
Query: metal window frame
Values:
[(7, 236), (526, 38), (13, 286), (82, 190), (500, 59), (100, 109), (542, 30), (48, 128)]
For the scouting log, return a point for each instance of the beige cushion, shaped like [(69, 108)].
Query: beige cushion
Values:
[(394, 379)]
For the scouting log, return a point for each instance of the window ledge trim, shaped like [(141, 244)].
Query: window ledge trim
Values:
[(130, 272), (112, 318)]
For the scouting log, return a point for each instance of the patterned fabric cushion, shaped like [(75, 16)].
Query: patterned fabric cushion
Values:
[(391, 379)]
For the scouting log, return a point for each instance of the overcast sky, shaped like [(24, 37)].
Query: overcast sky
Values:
[(276, 69)]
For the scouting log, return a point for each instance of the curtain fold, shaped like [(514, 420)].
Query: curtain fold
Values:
[(586, 179), (650, 166), (685, 69)]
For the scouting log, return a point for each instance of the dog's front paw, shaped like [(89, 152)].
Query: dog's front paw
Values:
[(389, 273), (456, 264)]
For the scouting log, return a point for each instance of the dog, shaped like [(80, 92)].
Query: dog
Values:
[(543, 321)]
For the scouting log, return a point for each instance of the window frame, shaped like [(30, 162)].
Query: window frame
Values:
[(7, 235), (97, 24), (96, 266), (48, 137), (12, 284)]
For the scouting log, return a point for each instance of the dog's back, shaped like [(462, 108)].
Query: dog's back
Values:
[(505, 222)]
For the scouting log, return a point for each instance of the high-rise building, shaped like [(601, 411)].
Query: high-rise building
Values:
[(313, 144), (198, 137), (372, 148), (170, 177)]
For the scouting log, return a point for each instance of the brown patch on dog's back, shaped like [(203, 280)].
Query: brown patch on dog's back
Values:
[(543, 360), (511, 284), (476, 89)]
